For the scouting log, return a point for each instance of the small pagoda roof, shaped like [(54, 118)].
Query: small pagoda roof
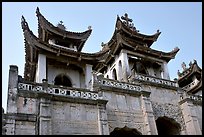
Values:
[(128, 28), (188, 72), (33, 45), (44, 26), (196, 88), (127, 37)]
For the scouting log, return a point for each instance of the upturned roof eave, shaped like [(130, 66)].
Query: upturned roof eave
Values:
[(192, 70), (44, 24)]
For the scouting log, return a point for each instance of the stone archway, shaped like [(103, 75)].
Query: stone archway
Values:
[(62, 80), (125, 131), (167, 126)]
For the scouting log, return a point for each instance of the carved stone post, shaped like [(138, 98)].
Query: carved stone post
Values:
[(125, 65), (12, 98), (165, 71), (102, 117), (190, 118), (41, 68), (88, 75), (149, 120), (45, 127)]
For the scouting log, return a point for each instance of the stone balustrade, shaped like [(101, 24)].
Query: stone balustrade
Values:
[(155, 80), (191, 85), (193, 97), (117, 84), (56, 90)]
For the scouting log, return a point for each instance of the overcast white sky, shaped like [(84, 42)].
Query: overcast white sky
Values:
[(179, 22)]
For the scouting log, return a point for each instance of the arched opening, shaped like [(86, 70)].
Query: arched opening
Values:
[(114, 74), (167, 126), (125, 131), (120, 70), (138, 67), (62, 80)]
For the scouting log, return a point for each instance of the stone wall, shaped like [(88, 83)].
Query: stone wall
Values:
[(124, 110), (27, 105), (25, 128), (74, 119)]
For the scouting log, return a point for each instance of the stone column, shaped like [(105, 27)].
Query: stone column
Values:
[(12, 98), (165, 71), (41, 69), (190, 118), (88, 75), (125, 65), (149, 120), (103, 120), (45, 127), (119, 70)]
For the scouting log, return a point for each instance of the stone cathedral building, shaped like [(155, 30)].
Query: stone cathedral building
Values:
[(124, 89)]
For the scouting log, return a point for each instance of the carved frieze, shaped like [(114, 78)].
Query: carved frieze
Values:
[(60, 91)]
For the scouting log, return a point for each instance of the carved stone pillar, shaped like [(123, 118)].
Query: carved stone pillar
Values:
[(41, 68), (125, 65), (149, 120), (88, 75), (165, 71), (190, 118), (12, 99), (103, 120)]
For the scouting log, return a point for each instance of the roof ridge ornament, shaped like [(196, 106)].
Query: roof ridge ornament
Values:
[(37, 11), (128, 22), (61, 25), (24, 24)]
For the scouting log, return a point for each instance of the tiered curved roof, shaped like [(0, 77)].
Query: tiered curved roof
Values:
[(126, 36), (45, 28), (187, 75), (35, 45)]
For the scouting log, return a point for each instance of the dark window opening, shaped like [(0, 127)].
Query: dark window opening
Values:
[(63, 80), (114, 74), (138, 67)]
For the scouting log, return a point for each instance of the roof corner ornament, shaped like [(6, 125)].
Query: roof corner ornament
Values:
[(24, 24), (195, 61), (61, 25), (89, 28), (178, 73), (183, 65), (190, 64), (37, 11)]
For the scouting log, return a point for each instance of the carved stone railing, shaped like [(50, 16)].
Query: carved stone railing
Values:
[(191, 85), (155, 80), (184, 73), (56, 90), (193, 97), (117, 84)]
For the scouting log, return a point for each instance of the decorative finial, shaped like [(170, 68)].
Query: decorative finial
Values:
[(89, 27), (61, 26), (190, 64), (183, 65), (178, 73), (24, 24), (37, 10), (126, 19)]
